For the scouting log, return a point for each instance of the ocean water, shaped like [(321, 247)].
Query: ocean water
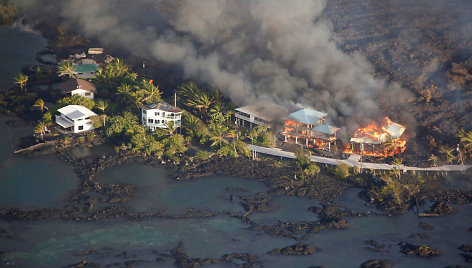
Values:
[(18, 48), (157, 192), (31, 183)]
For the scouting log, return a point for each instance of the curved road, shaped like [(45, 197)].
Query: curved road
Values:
[(353, 161)]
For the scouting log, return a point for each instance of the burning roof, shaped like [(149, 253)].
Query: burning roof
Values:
[(373, 134)]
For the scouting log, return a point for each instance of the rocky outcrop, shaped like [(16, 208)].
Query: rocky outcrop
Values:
[(377, 264), (466, 252), (298, 248), (421, 251)]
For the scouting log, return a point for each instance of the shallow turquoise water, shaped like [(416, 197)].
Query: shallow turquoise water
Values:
[(287, 208), (44, 182), (28, 183), (156, 191)]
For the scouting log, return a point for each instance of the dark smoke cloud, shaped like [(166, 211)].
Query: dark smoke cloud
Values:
[(276, 50)]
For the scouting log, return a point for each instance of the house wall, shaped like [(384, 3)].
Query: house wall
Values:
[(249, 120), (82, 125), (83, 93), (156, 118)]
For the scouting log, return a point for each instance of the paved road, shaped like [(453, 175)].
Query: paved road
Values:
[(353, 160)]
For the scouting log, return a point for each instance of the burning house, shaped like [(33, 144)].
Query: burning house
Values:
[(259, 114), (378, 140), (308, 126)]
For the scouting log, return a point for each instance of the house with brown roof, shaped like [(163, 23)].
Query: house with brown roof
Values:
[(79, 87)]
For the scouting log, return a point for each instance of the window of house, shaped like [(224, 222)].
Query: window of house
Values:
[(156, 113), (158, 121), (163, 114), (150, 121), (80, 128), (87, 94)]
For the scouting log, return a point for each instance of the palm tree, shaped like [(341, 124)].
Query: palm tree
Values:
[(190, 124), (253, 136), (390, 145), (188, 90), (119, 68), (466, 138), (124, 94), (171, 127), (449, 155), (202, 102), (152, 93), (218, 136), (67, 69), (233, 135), (433, 159), (39, 129), (21, 80), (40, 103), (101, 105)]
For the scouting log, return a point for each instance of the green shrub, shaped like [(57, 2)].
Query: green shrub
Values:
[(90, 136), (81, 139), (342, 171), (202, 155)]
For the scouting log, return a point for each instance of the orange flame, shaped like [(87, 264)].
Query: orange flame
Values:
[(150, 81), (375, 132)]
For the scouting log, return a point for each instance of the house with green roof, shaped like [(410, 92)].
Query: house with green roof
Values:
[(85, 71)]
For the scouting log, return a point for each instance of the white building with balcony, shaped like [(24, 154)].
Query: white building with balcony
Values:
[(160, 115), (259, 114), (75, 118)]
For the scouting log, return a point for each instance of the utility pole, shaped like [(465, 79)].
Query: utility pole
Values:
[(460, 157), (362, 153)]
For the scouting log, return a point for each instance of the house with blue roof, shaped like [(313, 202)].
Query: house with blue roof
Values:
[(308, 126), (85, 71)]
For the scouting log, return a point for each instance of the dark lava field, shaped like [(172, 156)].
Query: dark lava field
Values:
[(426, 46)]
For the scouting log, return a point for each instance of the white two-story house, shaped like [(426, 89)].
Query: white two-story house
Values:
[(75, 118), (159, 115)]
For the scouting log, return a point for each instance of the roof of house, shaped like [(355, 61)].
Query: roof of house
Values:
[(307, 116), (396, 130), (163, 106), (95, 50), (86, 68), (76, 111), (266, 110), (73, 84), (326, 129)]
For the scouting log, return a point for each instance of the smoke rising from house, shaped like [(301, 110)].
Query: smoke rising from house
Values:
[(251, 50)]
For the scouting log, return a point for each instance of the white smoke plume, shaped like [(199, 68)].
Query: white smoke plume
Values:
[(279, 50)]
